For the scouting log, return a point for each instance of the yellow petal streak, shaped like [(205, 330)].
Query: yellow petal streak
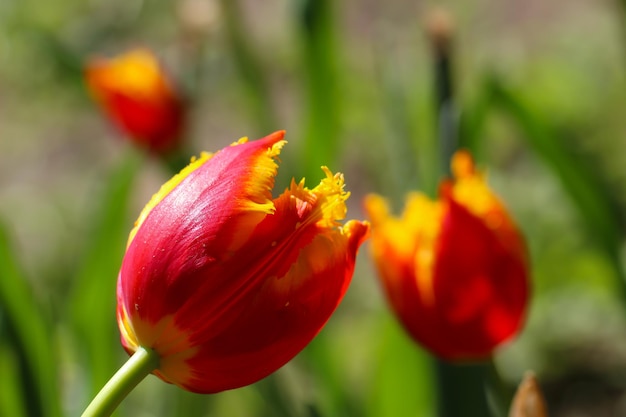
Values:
[(167, 188), (126, 329), (424, 216), (387, 229), (410, 238)]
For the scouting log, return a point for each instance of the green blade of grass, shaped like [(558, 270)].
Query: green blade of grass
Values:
[(250, 69), (333, 396), (402, 158), (321, 137), (403, 376), (31, 332), (585, 189), (472, 122), (622, 11), (596, 207), (12, 399), (93, 300)]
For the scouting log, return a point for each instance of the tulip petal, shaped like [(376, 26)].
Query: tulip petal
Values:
[(137, 73), (481, 292), (455, 269), (139, 97), (295, 285), (228, 186), (227, 284)]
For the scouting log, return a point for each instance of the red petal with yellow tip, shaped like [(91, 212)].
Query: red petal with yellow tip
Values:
[(454, 270), (480, 291), (139, 97), (226, 284), (192, 227)]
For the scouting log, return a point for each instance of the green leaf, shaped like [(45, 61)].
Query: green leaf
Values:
[(321, 135), (93, 300), (31, 334), (402, 158), (402, 384), (13, 402), (332, 396), (251, 71), (585, 189), (595, 204)]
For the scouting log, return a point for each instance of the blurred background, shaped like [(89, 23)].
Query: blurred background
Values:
[(540, 93)]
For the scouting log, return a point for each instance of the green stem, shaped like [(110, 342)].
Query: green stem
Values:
[(499, 393), (462, 389), (447, 113), (319, 47), (122, 383)]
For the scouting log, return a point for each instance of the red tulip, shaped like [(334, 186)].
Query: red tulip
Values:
[(139, 97), (454, 270), (227, 284)]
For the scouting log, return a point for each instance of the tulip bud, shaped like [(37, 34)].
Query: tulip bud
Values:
[(454, 270), (226, 283), (139, 97)]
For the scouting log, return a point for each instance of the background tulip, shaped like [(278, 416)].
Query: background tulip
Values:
[(455, 269), (139, 97), (225, 283)]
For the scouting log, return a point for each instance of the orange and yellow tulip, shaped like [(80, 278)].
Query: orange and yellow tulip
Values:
[(139, 97), (226, 283), (454, 270)]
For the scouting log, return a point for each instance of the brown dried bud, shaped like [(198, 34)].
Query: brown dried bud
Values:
[(440, 29), (528, 400)]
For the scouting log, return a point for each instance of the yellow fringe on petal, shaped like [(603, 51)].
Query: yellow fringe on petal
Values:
[(470, 187), (258, 196), (240, 141), (471, 190), (256, 200), (325, 204), (167, 188), (333, 207)]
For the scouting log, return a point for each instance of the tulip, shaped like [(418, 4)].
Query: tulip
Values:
[(227, 284), (139, 97), (454, 270)]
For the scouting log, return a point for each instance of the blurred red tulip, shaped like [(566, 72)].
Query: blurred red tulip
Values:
[(227, 284), (454, 270), (139, 97)]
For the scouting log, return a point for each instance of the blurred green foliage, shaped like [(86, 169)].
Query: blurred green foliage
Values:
[(541, 95)]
